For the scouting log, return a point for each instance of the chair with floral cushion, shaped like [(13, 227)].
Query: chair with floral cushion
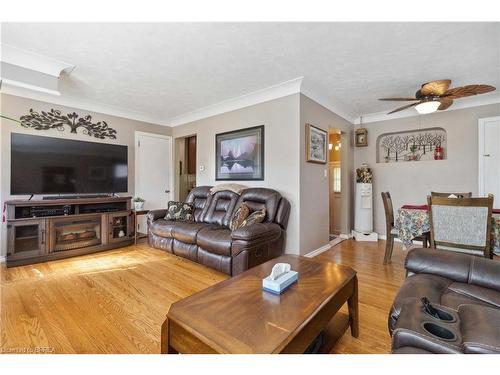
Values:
[(391, 231)]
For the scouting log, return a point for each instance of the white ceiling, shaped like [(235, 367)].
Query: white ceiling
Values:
[(164, 70)]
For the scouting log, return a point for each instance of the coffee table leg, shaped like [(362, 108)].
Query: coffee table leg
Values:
[(352, 304), (165, 345)]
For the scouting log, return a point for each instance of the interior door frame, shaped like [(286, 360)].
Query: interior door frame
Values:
[(481, 124), (137, 134)]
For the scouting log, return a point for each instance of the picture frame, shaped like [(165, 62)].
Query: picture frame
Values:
[(316, 144), (239, 155), (361, 137)]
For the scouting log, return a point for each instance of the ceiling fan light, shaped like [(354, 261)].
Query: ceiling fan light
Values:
[(427, 107)]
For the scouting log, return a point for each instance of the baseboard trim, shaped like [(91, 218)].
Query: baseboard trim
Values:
[(345, 236), (318, 251), (2, 259)]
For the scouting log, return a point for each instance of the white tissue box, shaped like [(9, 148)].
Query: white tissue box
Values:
[(281, 284)]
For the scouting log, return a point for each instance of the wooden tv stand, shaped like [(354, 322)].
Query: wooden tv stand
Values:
[(43, 230)]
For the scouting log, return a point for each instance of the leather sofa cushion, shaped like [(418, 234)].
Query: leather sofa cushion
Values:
[(480, 328), (221, 208), (200, 199), (162, 227), (460, 293), (216, 240), (187, 232), (259, 198)]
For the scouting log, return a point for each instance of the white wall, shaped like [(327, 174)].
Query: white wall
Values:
[(281, 120), (411, 182), (15, 107)]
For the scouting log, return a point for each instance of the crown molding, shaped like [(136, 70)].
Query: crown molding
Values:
[(260, 96), (335, 108), (474, 101), (12, 83), (77, 103), (34, 61)]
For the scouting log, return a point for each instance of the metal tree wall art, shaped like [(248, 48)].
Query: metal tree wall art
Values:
[(54, 119), (413, 145)]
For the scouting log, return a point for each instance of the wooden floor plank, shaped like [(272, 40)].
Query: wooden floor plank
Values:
[(116, 301)]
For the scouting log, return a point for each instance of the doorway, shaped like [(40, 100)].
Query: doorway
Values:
[(153, 171), (489, 157), (335, 181), (185, 161)]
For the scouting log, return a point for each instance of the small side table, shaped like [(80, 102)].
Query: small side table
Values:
[(137, 235)]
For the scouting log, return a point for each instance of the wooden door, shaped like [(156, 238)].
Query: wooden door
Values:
[(335, 196)]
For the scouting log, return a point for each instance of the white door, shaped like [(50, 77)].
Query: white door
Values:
[(153, 168), (489, 158)]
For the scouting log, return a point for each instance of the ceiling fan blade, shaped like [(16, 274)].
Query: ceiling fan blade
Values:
[(445, 103), (435, 87), (404, 107), (469, 90), (399, 99)]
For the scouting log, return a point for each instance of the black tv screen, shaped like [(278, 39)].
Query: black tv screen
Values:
[(46, 165)]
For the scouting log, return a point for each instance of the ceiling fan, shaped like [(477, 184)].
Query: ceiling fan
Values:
[(436, 95)]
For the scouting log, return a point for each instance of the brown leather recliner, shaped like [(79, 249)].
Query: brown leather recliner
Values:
[(209, 241), (465, 286)]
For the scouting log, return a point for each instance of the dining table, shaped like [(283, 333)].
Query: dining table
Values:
[(413, 221)]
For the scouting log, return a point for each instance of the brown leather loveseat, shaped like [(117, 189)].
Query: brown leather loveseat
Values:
[(209, 241), (465, 287)]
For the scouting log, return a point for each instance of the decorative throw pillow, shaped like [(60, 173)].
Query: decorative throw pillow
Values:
[(179, 211), (254, 218), (239, 216)]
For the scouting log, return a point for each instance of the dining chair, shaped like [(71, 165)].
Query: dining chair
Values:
[(461, 223), (391, 231), (446, 195)]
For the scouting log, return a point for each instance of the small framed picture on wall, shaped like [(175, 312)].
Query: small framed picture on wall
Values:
[(316, 144), (361, 137), (240, 155)]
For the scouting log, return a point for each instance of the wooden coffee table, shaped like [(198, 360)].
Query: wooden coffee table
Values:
[(236, 316)]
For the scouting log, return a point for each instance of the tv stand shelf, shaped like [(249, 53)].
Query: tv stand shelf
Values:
[(41, 230)]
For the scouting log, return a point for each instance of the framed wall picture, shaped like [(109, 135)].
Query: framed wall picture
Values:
[(316, 144), (240, 154), (361, 137)]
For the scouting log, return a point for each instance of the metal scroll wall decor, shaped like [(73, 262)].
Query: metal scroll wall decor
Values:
[(412, 145), (54, 119)]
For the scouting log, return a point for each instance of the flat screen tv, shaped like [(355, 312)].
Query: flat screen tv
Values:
[(46, 165)]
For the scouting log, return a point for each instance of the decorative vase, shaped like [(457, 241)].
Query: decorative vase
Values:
[(138, 206)]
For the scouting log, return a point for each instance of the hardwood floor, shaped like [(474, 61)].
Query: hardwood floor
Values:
[(116, 301)]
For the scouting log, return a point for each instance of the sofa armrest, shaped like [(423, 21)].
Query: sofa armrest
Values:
[(156, 214), (451, 265), (258, 231)]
